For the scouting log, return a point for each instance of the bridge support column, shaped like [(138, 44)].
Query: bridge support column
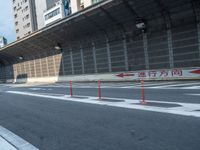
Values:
[(94, 57), (108, 55), (170, 48), (146, 55)]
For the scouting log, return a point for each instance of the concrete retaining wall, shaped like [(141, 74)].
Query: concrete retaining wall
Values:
[(163, 74)]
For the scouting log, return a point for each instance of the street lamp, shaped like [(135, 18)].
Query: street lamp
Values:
[(58, 47), (21, 58), (140, 24)]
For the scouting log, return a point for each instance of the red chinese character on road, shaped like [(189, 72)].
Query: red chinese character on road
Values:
[(164, 73), (177, 72), (152, 73), (142, 74)]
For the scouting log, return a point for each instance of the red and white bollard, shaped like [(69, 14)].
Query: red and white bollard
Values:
[(142, 101), (71, 92), (99, 90)]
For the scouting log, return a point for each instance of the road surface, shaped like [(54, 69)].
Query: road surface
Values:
[(48, 118)]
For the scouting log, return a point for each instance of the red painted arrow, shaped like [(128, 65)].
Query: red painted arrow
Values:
[(125, 75), (196, 71)]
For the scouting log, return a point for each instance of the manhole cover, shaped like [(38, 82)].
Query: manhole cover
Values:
[(166, 105)]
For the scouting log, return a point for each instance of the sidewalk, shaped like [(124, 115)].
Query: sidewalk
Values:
[(5, 145)]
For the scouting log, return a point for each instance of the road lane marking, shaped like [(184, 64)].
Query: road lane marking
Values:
[(17, 142), (193, 94), (191, 87), (186, 109), (6, 145), (174, 85), (34, 89), (135, 85)]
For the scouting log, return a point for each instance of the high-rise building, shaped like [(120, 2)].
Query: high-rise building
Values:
[(24, 17), (60, 9), (31, 15), (40, 7), (3, 41), (51, 3)]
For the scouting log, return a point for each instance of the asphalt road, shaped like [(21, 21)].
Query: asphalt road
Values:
[(51, 124)]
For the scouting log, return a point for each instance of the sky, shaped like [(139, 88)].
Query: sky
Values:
[(7, 28)]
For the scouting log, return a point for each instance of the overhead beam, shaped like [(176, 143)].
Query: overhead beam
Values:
[(113, 20), (127, 5)]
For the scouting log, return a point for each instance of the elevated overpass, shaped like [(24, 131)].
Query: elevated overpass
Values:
[(103, 39)]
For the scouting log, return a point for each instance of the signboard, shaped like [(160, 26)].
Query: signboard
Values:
[(162, 74)]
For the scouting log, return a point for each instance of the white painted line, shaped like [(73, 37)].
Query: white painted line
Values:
[(191, 87), (34, 89), (15, 141), (193, 94), (5, 145), (157, 84), (185, 109), (175, 85)]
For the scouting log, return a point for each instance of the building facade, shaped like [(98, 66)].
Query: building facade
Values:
[(3, 41), (59, 10), (24, 17), (51, 3), (32, 15), (40, 7)]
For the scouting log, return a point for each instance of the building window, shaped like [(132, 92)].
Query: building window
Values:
[(82, 4), (27, 16), (18, 37), (15, 8), (52, 14), (26, 8), (17, 31), (13, 1), (16, 23), (28, 25), (95, 1), (15, 15)]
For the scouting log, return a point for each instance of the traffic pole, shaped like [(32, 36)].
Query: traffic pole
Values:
[(71, 92), (99, 90), (142, 93)]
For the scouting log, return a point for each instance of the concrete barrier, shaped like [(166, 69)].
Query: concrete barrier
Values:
[(161, 74)]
